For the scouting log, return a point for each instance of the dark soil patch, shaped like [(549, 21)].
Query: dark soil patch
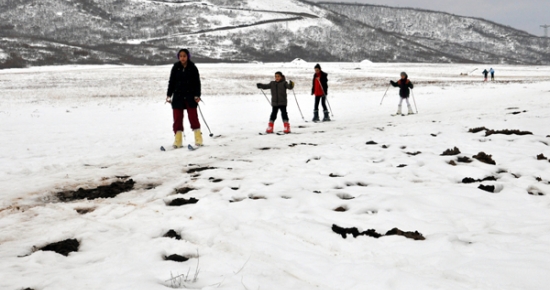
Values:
[(199, 169), (84, 210), (518, 112), (104, 191), (183, 201), (534, 192), (410, 235), (296, 144), (334, 175), (371, 143), (452, 162), (234, 188), (385, 146), (317, 191), (341, 209), (215, 180), (176, 258), (345, 196), (413, 153), (184, 190), (477, 129), (471, 180), (464, 159), (265, 148), (507, 132), (314, 158), (237, 199), (401, 165), (354, 232), (433, 135), (256, 197), (63, 247), (541, 157), (485, 158), (172, 234), (488, 188), (451, 152)]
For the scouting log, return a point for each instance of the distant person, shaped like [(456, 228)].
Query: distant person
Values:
[(492, 71), (320, 90), (485, 73), (404, 84), (279, 100), (184, 93)]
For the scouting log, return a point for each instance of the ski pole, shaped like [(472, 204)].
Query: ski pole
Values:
[(328, 103), (299, 106), (265, 97), (385, 94), (200, 111), (414, 101)]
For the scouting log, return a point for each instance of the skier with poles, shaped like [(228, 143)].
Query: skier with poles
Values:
[(404, 84), (492, 72), (319, 89), (485, 73), (184, 92), (278, 100)]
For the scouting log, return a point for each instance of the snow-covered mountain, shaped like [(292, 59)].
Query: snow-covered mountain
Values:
[(148, 32)]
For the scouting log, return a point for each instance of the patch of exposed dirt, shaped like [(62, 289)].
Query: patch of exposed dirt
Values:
[(256, 197), (172, 234), (413, 153), (184, 190), (215, 180), (103, 191), (372, 233), (334, 175), (452, 162), (485, 158), (371, 143), (199, 169), (451, 152), (341, 209), (489, 132), (176, 258), (471, 180), (345, 196), (541, 157), (63, 247), (84, 210), (385, 146), (307, 144), (401, 165), (314, 158), (488, 188), (464, 159), (183, 201)]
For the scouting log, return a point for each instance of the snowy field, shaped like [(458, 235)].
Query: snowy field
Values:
[(267, 204)]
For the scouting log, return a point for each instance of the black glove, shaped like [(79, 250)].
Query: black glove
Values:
[(392, 82), (259, 86)]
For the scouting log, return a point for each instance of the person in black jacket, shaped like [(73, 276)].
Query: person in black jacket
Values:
[(404, 84), (279, 100), (184, 92), (319, 89)]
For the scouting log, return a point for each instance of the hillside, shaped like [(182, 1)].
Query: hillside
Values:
[(148, 32)]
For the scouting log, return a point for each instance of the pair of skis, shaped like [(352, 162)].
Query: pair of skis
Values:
[(189, 146)]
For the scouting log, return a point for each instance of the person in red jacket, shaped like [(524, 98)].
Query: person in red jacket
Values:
[(320, 90), (404, 84)]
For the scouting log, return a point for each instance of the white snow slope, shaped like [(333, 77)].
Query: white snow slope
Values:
[(267, 204)]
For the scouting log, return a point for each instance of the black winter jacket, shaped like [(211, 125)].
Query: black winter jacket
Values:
[(324, 83), (184, 85), (278, 92), (404, 85)]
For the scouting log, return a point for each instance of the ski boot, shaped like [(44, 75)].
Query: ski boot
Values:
[(287, 127), (198, 137), (410, 112), (269, 129), (326, 118), (316, 116), (178, 140), (398, 111)]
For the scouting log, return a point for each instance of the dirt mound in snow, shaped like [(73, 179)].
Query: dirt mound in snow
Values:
[(489, 132), (485, 158), (104, 191), (183, 201), (63, 247), (451, 152), (372, 233)]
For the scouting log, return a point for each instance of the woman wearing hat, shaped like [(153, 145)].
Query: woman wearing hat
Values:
[(184, 92), (320, 90)]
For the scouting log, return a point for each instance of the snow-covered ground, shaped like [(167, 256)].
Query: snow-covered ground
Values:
[(267, 203)]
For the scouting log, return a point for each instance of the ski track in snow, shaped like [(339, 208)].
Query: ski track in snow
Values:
[(267, 204)]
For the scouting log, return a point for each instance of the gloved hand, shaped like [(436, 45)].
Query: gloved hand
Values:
[(168, 99), (392, 82), (259, 86), (291, 83)]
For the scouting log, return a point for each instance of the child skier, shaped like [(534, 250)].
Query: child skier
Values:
[(320, 90), (404, 84), (485, 73), (184, 93), (492, 72), (278, 100)]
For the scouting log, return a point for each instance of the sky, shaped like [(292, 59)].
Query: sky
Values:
[(527, 15)]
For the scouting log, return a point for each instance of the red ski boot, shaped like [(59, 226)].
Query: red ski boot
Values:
[(269, 129), (287, 128)]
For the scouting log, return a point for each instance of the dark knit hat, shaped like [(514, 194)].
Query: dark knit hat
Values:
[(404, 74), (317, 66), (280, 73)]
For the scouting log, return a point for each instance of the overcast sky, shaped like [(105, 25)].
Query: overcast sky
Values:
[(527, 15)]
